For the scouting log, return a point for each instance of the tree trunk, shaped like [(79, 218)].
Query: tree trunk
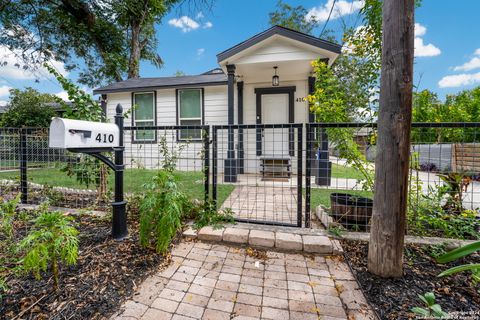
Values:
[(135, 51), (385, 254)]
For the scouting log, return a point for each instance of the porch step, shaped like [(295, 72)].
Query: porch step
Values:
[(279, 238), (274, 169)]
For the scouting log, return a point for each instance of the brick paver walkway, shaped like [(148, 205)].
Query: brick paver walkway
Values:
[(275, 203), (211, 281)]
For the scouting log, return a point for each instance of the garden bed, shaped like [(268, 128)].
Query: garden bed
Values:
[(393, 298), (107, 272)]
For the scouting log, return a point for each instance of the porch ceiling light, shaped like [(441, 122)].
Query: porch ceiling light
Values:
[(275, 78)]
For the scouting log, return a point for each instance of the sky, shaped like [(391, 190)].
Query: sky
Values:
[(447, 41)]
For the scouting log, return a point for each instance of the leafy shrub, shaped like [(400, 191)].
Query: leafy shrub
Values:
[(161, 211), (209, 215), (52, 239), (460, 253)]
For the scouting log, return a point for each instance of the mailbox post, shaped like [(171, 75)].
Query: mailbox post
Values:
[(119, 218), (93, 138)]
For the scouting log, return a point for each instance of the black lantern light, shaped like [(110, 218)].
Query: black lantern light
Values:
[(275, 78)]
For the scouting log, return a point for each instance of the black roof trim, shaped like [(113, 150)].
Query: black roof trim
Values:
[(286, 32), (145, 84)]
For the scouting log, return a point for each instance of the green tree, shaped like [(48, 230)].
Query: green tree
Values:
[(28, 108), (292, 17), (109, 37), (357, 75)]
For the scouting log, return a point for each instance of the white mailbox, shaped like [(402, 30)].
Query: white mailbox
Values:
[(78, 134)]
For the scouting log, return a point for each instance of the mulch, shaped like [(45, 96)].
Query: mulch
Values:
[(107, 273), (393, 298)]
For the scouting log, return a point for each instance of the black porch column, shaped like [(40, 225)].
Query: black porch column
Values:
[(241, 153), (103, 105), (230, 171)]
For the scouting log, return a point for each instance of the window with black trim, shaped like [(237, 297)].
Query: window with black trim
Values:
[(190, 109), (144, 115)]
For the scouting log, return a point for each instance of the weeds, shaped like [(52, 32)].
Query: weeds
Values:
[(52, 239)]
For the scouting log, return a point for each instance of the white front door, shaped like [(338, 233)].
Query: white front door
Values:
[(275, 111)]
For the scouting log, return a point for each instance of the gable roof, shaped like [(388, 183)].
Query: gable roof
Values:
[(285, 32), (143, 84)]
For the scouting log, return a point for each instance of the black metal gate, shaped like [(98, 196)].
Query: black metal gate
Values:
[(257, 172)]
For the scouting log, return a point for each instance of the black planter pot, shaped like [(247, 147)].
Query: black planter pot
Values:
[(350, 208)]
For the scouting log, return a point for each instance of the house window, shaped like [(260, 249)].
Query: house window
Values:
[(190, 108), (144, 115)]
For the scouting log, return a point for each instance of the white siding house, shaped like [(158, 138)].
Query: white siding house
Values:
[(239, 91)]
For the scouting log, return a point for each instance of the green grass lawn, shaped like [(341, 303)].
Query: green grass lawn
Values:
[(190, 182), (322, 196), (341, 171)]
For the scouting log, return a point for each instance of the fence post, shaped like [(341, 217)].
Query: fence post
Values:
[(119, 218), (299, 174), (308, 173), (206, 164), (214, 166), (23, 157)]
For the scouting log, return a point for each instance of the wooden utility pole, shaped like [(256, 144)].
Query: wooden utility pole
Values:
[(385, 252)]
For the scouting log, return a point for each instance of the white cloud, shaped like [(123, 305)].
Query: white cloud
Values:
[(185, 23), (207, 25), (199, 15), (459, 80), (342, 8), (422, 49), (474, 63), (4, 91), (200, 51), (425, 50), (3, 103), (63, 95), (13, 69)]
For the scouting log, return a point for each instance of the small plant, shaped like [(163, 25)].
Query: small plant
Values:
[(209, 215), (436, 250), (460, 253), (170, 155), (161, 211), (53, 239), (7, 215), (336, 231), (3, 287), (431, 308)]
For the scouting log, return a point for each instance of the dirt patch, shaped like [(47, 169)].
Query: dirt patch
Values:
[(107, 273), (393, 298)]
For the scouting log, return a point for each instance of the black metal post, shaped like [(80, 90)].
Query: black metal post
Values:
[(299, 176), (241, 151), (324, 174), (230, 169), (23, 166), (206, 163), (214, 165), (308, 173), (119, 219)]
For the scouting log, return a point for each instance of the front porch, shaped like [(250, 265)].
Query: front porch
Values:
[(269, 78)]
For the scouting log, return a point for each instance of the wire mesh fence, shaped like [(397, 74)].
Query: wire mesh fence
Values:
[(266, 173), (444, 175), (28, 167)]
